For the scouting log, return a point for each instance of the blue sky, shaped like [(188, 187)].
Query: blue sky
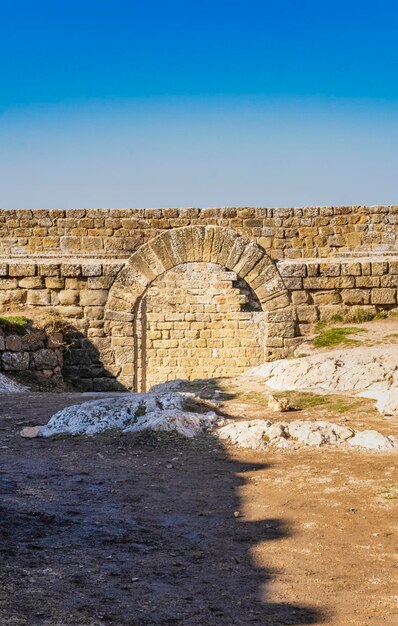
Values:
[(187, 103)]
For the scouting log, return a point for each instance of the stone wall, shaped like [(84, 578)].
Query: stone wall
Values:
[(34, 356), (272, 273), (285, 233)]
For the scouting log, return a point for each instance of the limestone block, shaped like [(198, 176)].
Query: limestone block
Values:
[(177, 241), (39, 297), (383, 296), (91, 269), (329, 269), (22, 269), (31, 282), (120, 316), (393, 267), (353, 240), (391, 280), (351, 269), (71, 244), (367, 281), (229, 237), (159, 248), (94, 312), (217, 247), (54, 283), (8, 283), (208, 243), (93, 297), (49, 269), (249, 259), (69, 311), (326, 297), (15, 296), (307, 313), (71, 270), (301, 297), (68, 297), (355, 296), (293, 284), (292, 269), (379, 268), (319, 282), (281, 329), (198, 238), (345, 282), (279, 301)]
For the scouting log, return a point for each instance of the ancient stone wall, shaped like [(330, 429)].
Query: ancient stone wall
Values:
[(285, 233), (263, 278), (33, 357)]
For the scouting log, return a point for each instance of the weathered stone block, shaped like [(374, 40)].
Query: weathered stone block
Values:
[(8, 283), (31, 282), (54, 283), (383, 296), (68, 297), (15, 361), (71, 270), (45, 359), (13, 343), (307, 313), (91, 269), (93, 297), (39, 297), (22, 269), (15, 296), (355, 296)]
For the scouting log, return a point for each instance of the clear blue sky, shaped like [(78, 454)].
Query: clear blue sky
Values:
[(198, 103)]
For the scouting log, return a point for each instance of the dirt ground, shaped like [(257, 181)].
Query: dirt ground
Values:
[(147, 530)]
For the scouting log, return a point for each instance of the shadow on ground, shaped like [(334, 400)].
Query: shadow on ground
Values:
[(129, 530)]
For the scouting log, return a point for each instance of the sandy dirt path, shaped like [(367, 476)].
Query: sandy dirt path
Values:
[(126, 530)]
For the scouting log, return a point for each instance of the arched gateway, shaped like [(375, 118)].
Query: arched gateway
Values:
[(215, 245)]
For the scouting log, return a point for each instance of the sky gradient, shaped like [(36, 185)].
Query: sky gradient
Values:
[(186, 103)]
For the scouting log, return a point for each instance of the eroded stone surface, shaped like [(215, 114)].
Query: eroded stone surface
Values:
[(369, 372), (132, 413), (259, 434), (10, 386)]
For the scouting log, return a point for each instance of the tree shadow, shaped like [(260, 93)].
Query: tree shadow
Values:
[(134, 530)]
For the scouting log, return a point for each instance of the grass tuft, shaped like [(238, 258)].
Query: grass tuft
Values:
[(390, 492), (334, 336), (15, 325), (335, 319)]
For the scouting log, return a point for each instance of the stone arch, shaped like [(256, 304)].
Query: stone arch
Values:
[(212, 244)]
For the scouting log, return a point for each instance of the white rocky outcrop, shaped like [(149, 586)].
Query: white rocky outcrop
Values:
[(10, 386), (259, 434), (368, 372), (132, 413)]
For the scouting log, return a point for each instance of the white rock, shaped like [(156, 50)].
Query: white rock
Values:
[(131, 413), (248, 434), (372, 440), (257, 434), (10, 386), (30, 432), (369, 372)]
